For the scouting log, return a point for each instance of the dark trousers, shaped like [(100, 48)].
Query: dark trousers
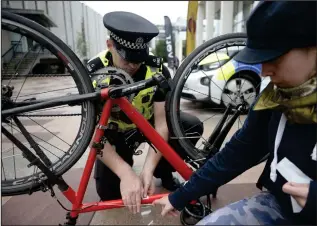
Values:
[(108, 183)]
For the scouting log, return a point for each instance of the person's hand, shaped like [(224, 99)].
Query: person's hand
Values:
[(131, 191), (167, 207), (148, 183), (298, 191)]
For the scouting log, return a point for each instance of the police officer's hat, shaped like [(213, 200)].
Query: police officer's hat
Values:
[(131, 34), (276, 27)]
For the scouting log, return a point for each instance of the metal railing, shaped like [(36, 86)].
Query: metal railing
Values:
[(12, 50)]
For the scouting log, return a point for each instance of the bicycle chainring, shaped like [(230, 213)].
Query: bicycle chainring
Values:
[(118, 76)]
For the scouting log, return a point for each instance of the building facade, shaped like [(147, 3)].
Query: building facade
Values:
[(214, 18), (72, 21)]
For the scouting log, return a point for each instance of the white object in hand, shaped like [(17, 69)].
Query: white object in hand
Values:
[(292, 174)]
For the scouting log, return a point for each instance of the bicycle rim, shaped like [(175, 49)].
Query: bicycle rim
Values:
[(78, 74), (174, 103)]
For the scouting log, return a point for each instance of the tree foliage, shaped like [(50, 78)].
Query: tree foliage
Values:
[(160, 50), (82, 46)]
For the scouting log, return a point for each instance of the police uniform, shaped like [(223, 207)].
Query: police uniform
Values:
[(131, 35)]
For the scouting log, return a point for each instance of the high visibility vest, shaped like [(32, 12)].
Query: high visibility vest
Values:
[(143, 101)]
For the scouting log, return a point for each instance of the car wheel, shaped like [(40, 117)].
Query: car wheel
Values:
[(241, 88)]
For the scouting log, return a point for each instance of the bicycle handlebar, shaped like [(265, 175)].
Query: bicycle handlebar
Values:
[(126, 90)]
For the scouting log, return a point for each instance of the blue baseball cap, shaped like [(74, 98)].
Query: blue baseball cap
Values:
[(276, 27)]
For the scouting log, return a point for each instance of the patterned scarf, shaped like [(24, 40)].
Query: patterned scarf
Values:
[(298, 104)]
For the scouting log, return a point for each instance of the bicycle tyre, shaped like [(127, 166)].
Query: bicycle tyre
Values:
[(178, 81), (80, 75)]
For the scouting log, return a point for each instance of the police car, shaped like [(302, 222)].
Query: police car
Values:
[(219, 79)]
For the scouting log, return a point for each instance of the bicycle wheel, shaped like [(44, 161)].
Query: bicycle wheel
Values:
[(210, 75), (63, 133)]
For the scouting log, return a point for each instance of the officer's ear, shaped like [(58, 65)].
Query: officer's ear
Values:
[(110, 44)]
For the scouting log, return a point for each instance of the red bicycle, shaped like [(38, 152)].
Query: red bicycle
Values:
[(45, 165)]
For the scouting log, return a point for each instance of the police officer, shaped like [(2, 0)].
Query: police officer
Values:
[(128, 50)]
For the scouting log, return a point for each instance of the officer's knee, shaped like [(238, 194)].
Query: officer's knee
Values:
[(191, 123)]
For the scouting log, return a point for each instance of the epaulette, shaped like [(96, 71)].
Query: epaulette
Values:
[(154, 61), (98, 62)]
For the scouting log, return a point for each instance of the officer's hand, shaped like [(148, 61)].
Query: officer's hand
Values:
[(167, 207), (148, 183), (131, 191)]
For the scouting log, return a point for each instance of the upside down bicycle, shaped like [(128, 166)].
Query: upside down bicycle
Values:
[(47, 170)]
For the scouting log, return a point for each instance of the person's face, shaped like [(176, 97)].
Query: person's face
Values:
[(292, 69), (119, 62)]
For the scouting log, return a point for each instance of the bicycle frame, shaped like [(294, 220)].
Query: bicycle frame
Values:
[(144, 126), (76, 197)]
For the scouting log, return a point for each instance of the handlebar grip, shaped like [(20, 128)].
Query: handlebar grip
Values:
[(122, 91), (162, 82)]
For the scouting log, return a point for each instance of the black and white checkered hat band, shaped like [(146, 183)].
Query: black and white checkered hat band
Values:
[(131, 45)]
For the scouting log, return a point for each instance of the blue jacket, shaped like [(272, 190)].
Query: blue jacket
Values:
[(245, 149)]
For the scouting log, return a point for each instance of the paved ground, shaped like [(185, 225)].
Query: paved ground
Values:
[(55, 134)]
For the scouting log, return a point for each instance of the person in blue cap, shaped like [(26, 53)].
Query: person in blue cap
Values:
[(282, 122), (128, 49)]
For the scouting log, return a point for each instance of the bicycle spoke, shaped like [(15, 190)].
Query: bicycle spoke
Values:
[(50, 132), (240, 71), (225, 122), (46, 109), (47, 91), (184, 109), (4, 173), (200, 122), (45, 68), (219, 88), (11, 156), (27, 76), (202, 142), (17, 68), (205, 94), (222, 76), (240, 88), (12, 58), (33, 179), (13, 152), (255, 88), (39, 139)]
